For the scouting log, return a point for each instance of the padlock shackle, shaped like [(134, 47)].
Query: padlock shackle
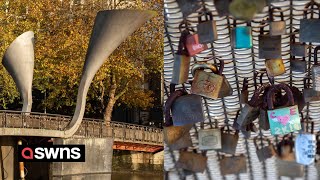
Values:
[(271, 79), (271, 11), (262, 25), (228, 130), (315, 55), (182, 43), (198, 66), (293, 36), (311, 4), (255, 98), (305, 82), (173, 96), (186, 25), (280, 86), (206, 14)]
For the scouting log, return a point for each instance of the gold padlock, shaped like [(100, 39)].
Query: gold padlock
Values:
[(275, 67)]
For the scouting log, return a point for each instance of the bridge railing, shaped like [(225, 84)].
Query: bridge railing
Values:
[(124, 132)]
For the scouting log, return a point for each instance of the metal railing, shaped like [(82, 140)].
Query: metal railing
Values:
[(89, 128)]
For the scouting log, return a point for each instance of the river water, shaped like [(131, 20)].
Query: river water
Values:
[(136, 176)]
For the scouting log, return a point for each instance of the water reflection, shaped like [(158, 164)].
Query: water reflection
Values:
[(136, 176)]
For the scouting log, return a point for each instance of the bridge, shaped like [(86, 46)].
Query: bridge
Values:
[(126, 136)]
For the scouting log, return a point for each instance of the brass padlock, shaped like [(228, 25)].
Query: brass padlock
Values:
[(285, 148), (229, 141), (289, 169), (188, 7), (187, 109), (181, 62), (277, 27), (192, 161), (222, 7), (275, 67), (297, 48), (211, 85), (207, 30), (265, 151), (269, 46), (233, 165), (209, 139), (309, 28), (316, 70)]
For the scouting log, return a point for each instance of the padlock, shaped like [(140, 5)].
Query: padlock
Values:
[(222, 7), (305, 147), (211, 85), (286, 119), (289, 169), (297, 48), (244, 92), (269, 46), (243, 9), (187, 109), (309, 28), (233, 165), (277, 27), (275, 67), (316, 70), (188, 7), (192, 161), (285, 149), (229, 141), (263, 120), (309, 94), (298, 65), (298, 98), (241, 36), (193, 45), (181, 62), (266, 151), (209, 139), (207, 30)]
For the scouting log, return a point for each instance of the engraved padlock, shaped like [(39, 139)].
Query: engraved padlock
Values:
[(316, 70), (181, 62), (266, 149), (297, 48), (309, 28), (283, 120), (233, 164), (269, 46), (188, 7), (210, 84), (207, 30), (277, 27), (275, 67), (209, 139), (241, 36)]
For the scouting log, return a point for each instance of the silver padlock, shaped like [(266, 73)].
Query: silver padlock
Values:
[(207, 30), (209, 139), (269, 46), (309, 28), (277, 27), (297, 48)]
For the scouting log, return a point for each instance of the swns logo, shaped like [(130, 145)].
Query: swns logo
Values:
[(52, 153)]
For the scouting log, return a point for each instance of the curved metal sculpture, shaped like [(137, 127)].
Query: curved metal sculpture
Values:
[(19, 62), (110, 29)]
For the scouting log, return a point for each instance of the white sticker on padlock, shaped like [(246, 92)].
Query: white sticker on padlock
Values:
[(305, 148)]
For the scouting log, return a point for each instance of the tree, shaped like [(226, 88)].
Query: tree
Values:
[(62, 35)]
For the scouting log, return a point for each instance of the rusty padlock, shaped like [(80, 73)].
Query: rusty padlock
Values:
[(285, 148), (211, 85), (222, 7), (316, 70), (229, 141), (277, 27), (309, 94), (241, 36), (192, 161), (233, 164), (181, 62), (297, 48), (269, 46), (187, 109), (283, 120), (207, 30), (289, 169), (188, 7), (309, 28), (275, 67), (266, 150)]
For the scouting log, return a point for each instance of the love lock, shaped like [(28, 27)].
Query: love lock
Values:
[(192, 161), (275, 67), (207, 30), (309, 94), (316, 70), (289, 169), (286, 119), (233, 165), (285, 149), (269, 46), (241, 36), (277, 27), (209, 139), (229, 141), (297, 48), (264, 152), (309, 28), (305, 147)]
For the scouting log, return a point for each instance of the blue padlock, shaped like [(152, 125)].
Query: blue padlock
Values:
[(241, 37)]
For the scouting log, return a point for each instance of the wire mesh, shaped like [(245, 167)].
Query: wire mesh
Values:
[(239, 64)]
